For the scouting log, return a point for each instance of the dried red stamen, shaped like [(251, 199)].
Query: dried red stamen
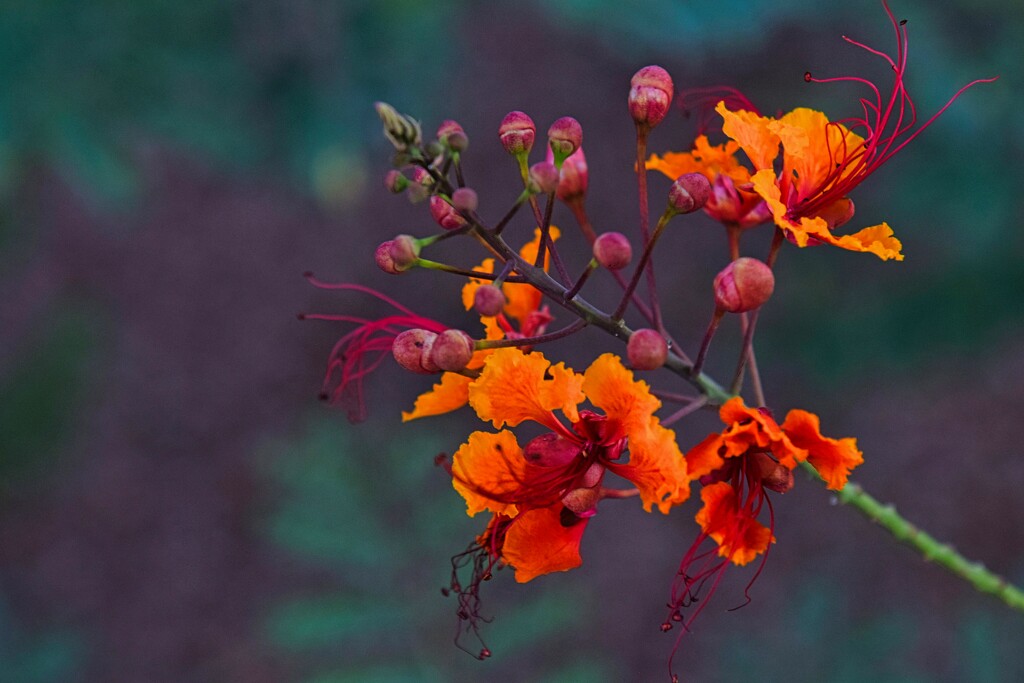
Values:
[(483, 556)]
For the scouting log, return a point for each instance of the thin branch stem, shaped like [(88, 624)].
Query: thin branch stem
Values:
[(575, 326)]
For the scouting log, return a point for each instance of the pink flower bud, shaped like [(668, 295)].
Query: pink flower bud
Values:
[(650, 95), (447, 127), (743, 285), (517, 133), (405, 249), (612, 250), (543, 177), (451, 135), (395, 182), (489, 300), (445, 215), (411, 349), (564, 137), (646, 349), (385, 261), (464, 199), (689, 193), (452, 350), (573, 177), (551, 450), (420, 187)]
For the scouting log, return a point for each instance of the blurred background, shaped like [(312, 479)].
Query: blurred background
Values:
[(176, 505)]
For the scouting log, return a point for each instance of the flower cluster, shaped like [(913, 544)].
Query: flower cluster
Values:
[(602, 434)]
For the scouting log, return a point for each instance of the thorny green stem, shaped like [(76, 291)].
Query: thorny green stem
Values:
[(932, 550)]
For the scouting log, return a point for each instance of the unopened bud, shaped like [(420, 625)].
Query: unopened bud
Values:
[(517, 133), (464, 199), (405, 250), (395, 182), (411, 349), (445, 215), (650, 95), (403, 131), (646, 349), (543, 177), (489, 300), (573, 177), (421, 185), (612, 250), (447, 129), (582, 502), (385, 260), (564, 137), (551, 450), (452, 350), (689, 193), (743, 285)]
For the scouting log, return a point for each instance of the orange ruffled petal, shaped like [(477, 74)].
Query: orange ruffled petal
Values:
[(451, 393), (486, 468), (656, 465), (515, 386), (753, 133), (812, 146), (524, 299), (537, 543), (704, 158), (740, 537), (833, 458)]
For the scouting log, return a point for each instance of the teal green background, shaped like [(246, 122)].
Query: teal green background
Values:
[(176, 505)]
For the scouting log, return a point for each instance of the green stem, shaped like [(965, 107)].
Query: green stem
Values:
[(932, 550)]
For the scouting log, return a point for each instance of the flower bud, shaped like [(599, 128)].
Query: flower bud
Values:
[(385, 261), (650, 95), (452, 350), (411, 349), (489, 300), (543, 177), (420, 185), (395, 182), (646, 349), (612, 250), (743, 285), (445, 215), (689, 193), (564, 137), (403, 131), (582, 502), (551, 450), (573, 177), (405, 249), (517, 133), (446, 128), (464, 199)]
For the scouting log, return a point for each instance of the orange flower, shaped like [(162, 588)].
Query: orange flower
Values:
[(751, 456), (552, 486), (524, 306)]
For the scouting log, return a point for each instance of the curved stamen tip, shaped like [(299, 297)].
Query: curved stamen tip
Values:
[(807, 77), (307, 274), (300, 316), (903, 22)]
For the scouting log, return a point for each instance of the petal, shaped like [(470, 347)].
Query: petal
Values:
[(473, 284), (451, 393), (515, 386), (753, 133), (611, 387), (656, 467), (706, 457), (812, 147), (878, 240), (833, 458), (740, 537), (524, 299), (674, 164), (536, 543), (487, 471)]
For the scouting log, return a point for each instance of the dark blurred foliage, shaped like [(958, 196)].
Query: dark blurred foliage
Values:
[(175, 505)]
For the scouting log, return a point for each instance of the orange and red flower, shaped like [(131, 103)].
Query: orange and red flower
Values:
[(550, 488)]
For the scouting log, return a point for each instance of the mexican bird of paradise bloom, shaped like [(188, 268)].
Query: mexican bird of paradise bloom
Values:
[(737, 467), (822, 160), (542, 496), (523, 305)]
